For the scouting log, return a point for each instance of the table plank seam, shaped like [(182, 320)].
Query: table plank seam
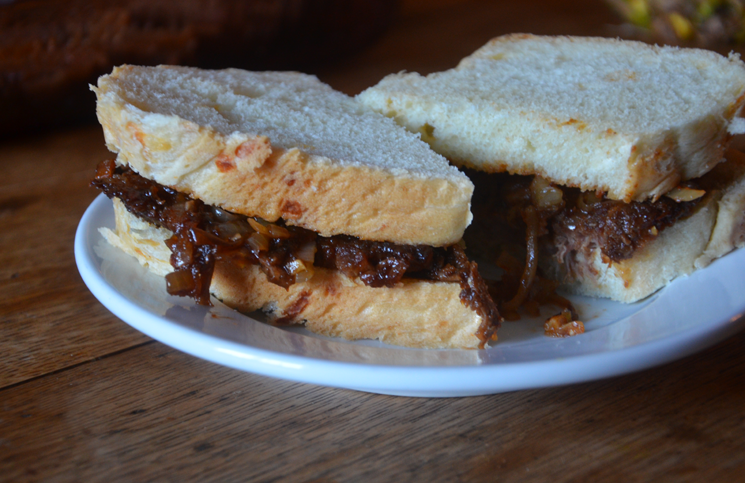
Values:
[(73, 366)]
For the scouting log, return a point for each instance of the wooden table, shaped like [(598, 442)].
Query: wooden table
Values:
[(83, 397)]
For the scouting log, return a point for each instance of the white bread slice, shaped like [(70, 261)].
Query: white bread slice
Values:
[(282, 145), (414, 313), (715, 229), (599, 114)]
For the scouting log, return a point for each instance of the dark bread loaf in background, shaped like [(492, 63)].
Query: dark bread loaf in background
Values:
[(50, 50)]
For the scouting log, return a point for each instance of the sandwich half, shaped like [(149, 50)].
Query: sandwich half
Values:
[(607, 248), (610, 135), (272, 191)]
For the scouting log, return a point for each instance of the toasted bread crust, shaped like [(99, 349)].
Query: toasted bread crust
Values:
[(245, 172), (417, 314)]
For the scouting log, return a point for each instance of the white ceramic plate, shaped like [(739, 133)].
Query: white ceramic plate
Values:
[(690, 314)]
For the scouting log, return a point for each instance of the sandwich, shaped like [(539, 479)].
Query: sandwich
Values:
[(271, 191), (612, 155)]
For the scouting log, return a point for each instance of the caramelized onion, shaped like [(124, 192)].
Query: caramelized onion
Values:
[(304, 276), (258, 227), (230, 229), (586, 200), (222, 215), (681, 194), (563, 325), (302, 271), (544, 195), (276, 231), (179, 281), (258, 241), (295, 266), (531, 258)]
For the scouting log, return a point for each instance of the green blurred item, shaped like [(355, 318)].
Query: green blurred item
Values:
[(713, 24)]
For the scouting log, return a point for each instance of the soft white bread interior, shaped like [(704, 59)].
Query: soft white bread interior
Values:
[(414, 313), (729, 231), (282, 145), (715, 229), (599, 114)]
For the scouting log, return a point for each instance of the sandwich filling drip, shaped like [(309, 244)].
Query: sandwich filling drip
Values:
[(204, 235)]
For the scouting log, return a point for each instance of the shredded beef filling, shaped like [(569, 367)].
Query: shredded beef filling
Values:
[(565, 223), (617, 228), (204, 234), (576, 220)]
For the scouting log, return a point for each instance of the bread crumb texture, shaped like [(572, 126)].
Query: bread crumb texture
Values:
[(624, 117), (282, 145)]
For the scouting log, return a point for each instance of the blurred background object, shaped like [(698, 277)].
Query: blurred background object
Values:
[(50, 50), (712, 24)]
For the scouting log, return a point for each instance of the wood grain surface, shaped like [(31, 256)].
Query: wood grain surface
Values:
[(49, 319), (83, 397)]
